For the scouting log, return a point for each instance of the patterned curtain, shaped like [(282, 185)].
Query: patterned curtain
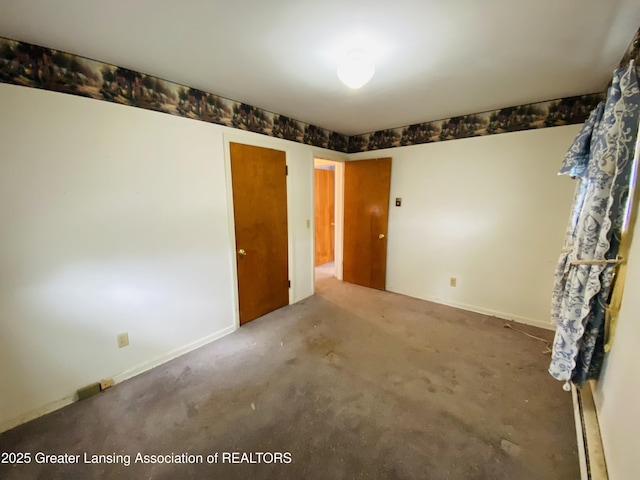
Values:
[(601, 158)]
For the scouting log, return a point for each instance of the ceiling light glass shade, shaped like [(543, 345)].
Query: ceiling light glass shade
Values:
[(356, 70)]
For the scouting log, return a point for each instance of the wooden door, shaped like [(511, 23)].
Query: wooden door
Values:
[(366, 216), (258, 177), (324, 201)]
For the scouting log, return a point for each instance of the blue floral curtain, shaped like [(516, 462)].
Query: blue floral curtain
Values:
[(601, 158)]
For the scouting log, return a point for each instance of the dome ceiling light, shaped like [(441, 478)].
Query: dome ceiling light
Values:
[(356, 69)]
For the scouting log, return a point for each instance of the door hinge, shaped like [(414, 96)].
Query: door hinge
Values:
[(286, 169), (289, 283)]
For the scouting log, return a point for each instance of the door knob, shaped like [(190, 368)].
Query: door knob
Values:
[(381, 236), (242, 252)]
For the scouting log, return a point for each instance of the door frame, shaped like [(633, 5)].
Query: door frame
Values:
[(301, 153), (275, 144), (339, 211), (339, 207)]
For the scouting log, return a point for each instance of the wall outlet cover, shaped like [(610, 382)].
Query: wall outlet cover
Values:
[(106, 383), (123, 339)]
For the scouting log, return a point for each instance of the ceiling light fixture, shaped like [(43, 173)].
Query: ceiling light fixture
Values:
[(356, 69)]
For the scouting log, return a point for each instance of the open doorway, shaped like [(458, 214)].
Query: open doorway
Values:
[(328, 218)]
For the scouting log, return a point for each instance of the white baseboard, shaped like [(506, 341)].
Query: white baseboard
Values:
[(156, 362), (38, 412), (486, 311), (505, 316), (119, 377)]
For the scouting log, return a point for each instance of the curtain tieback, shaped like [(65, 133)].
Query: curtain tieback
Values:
[(614, 261)]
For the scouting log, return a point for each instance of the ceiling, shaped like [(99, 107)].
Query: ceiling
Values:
[(435, 59)]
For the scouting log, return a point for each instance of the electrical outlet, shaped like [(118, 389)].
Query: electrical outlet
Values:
[(453, 282), (106, 383), (123, 339), (308, 223)]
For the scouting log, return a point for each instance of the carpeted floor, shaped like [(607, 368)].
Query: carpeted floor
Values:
[(352, 383)]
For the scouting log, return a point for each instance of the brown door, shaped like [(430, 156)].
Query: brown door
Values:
[(324, 201), (366, 215), (258, 178)]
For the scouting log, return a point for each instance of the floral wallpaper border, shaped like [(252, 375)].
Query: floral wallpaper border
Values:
[(40, 67), (564, 111), (33, 66), (553, 113)]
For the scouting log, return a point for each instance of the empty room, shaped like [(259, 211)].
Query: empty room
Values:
[(319, 240)]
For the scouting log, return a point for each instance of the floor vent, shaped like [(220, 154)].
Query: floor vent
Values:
[(592, 461)]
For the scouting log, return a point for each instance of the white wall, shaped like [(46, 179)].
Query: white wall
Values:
[(617, 395), (117, 219), (490, 211)]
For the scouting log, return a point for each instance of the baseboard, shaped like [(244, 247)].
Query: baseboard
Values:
[(505, 316), (590, 451), (39, 412), (486, 311), (120, 377), (156, 362)]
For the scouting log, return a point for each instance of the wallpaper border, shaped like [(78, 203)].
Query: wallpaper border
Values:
[(550, 113), (29, 65), (34, 66)]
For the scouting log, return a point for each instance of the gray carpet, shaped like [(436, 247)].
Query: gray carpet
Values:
[(353, 383)]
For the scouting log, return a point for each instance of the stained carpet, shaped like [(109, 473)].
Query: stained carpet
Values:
[(351, 383)]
